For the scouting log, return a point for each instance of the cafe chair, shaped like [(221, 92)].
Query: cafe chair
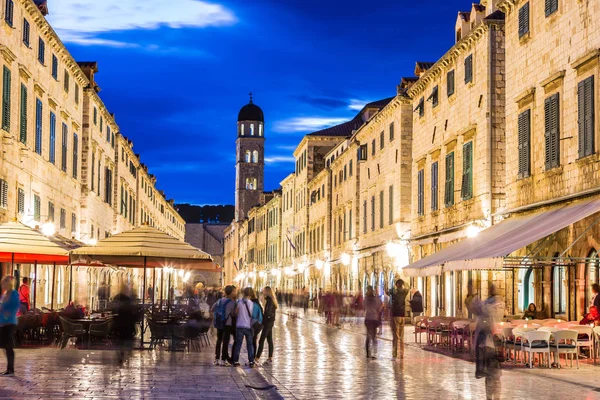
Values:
[(565, 342), (70, 330), (100, 331), (536, 342)]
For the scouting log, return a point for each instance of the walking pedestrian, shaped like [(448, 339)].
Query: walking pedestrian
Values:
[(243, 313), (229, 330), (220, 316), (268, 323), (9, 305), (397, 321), (256, 328), (124, 321), (373, 309)]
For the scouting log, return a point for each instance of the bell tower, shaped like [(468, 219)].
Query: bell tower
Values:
[(250, 159)]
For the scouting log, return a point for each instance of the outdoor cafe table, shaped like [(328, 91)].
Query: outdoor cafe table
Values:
[(87, 323)]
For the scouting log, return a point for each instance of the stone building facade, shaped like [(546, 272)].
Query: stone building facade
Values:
[(63, 158)]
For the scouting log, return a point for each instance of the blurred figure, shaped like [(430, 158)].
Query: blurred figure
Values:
[(9, 305), (124, 321), (416, 304), (102, 296), (150, 294), (373, 309), (593, 317), (24, 297), (595, 300), (531, 312), (305, 299), (73, 312), (219, 310), (487, 313), (268, 323), (397, 321), (256, 329)]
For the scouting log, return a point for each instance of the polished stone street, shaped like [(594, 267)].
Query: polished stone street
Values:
[(312, 361)]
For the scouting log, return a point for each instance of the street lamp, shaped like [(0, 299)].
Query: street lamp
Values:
[(48, 229), (346, 259)]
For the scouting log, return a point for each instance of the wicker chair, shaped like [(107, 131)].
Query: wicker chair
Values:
[(70, 330)]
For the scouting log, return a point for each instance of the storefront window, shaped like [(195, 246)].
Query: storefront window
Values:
[(559, 289), (591, 276)]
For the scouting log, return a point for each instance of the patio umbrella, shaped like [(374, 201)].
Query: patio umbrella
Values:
[(24, 245), (144, 247)]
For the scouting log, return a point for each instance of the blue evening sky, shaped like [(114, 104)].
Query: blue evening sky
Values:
[(176, 73)]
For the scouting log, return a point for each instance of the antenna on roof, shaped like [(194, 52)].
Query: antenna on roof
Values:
[(250, 94)]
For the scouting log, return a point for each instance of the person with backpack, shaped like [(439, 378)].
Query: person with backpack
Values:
[(256, 328), (247, 316), (224, 323), (268, 323)]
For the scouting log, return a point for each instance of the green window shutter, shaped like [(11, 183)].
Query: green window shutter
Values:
[(434, 186), (75, 155), (420, 192), (391, 131), (552, 131), (365, 216), (38, 126), (65, 132), (36, 208), (450, 83), (524, 20), (550, 7), (372, 213), (21, 201), (23, 117), (449, 188), (467, 175), (391, 205), (524, 129), (469, 68), (41, 51), (585, 117), (9, 12), (52, 147), (26, 32), (6, 98), (381, 208), (54, 67)]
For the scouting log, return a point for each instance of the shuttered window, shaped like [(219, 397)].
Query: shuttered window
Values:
[(108, 186), (21, 201), (449, 187), (381, 208), (73, 223), (75, 155), (41, 51), (467, 174), (23, 115), (434, 186), (365, 216), (363, 152), (63, 218), (52, 147), (552, 131), (433, 97), (350, 234), (450, 83), (95, 115), (9, 10), (469, 68), (421, 107), (585, 116), (54, 67), (381, 140), (373, 147), (76, 94), (38, 126), (108, 134), (3, 193), (391, 205), (391, 131), (421, 192), (101, 124), (64, 143), (524, 20), (372, 213), (50, 211), (550, 7), (26, 32), (524, 131), (66, 81), (6, 98), (37, 206)]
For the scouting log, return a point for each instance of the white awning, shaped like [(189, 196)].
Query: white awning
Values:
[(488, 249)]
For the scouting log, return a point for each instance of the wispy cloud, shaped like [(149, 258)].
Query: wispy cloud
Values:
[(325, 103), (83, 22), (306, 124), (287, 148), (279, 159), (356, 104)]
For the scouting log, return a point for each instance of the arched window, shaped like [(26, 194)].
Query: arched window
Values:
[(248, 157), (260, 129), (241, 129), (591, 276), (255, 156), (251, 183), (559, 288), (251, 129)]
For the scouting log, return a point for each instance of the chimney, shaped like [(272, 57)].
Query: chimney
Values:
[(42, 5), (89, 68)]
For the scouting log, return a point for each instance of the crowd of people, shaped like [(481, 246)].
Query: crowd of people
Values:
[(241, 316)]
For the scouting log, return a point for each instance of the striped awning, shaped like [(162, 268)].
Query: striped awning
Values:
[(144, 245), (24, 245)]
